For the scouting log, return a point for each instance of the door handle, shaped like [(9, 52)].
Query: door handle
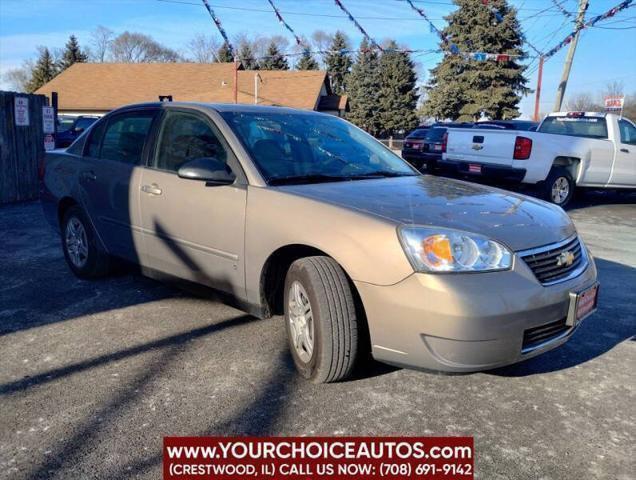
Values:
[(88, 175), (151, 189), (624, 150)]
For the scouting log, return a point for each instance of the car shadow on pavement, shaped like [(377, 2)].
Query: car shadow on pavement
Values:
[(614, 322), (171, 349)]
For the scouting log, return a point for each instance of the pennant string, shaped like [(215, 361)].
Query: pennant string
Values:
[(610, 13), (280, 18), (219, 27), (358, 26)]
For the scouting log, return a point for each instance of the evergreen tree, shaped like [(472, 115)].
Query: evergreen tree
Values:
[(225, 54), (363, 87), (72, 54), (464, 89), (273, 59), (246, 55), (397, 97), (43, 71), (307, 61), (337, 63)]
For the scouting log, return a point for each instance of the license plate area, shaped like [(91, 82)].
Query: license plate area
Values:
[(474, 168), (582, 304)]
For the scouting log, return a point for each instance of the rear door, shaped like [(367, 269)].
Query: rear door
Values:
[(110, 176), (486, 146), (192, 229), (624, 171)]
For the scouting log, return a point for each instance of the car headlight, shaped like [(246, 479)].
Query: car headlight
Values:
[(431, 249)]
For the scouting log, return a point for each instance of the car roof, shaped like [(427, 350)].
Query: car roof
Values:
[(221, 107)]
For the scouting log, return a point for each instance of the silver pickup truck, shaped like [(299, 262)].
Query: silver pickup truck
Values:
[(568, 150)]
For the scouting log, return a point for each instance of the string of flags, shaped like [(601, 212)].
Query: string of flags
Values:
[(219, 27), (593, 21), (557, 4), (493, 9), (454, 49), (358, 26), (280, 18)]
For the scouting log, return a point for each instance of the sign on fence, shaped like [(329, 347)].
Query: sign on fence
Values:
[(49, 142), (22, 111), (48, 119)]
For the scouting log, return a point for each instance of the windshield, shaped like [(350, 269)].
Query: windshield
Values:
[(418, 133), (305, 148), (64, 123), (436, 134), (589, 127)]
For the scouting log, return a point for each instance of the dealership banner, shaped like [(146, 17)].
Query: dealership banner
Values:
[(295, 458)]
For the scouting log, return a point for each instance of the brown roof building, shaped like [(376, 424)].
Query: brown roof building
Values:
[(95, 88)]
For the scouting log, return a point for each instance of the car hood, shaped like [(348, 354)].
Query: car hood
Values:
[(518, 221)]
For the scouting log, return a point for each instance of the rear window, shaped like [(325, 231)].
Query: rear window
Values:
[(418, 133), (435, 134), (589, 127)]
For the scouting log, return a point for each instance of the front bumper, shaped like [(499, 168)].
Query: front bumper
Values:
[(466, 322)]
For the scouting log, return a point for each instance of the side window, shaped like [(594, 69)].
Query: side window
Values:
[(186, 136), (125, 136), (95, 140), (628, 132)]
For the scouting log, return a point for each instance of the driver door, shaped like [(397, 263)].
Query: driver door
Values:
[(192, 229)]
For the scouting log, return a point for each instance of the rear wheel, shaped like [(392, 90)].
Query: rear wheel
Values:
[(83, 252), (320, 319), (559, 187)]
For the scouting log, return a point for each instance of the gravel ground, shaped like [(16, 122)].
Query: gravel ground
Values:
[(94, 374)]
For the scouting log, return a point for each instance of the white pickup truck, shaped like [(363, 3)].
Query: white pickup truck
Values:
[(568, 150)]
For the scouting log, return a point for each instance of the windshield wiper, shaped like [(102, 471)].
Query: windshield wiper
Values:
[(300, 179), (381, 174)]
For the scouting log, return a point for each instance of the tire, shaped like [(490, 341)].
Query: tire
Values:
[(333, 321), (87, 261), (559, 187)]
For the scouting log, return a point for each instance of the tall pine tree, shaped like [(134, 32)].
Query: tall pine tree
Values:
[(463, 88), (43, 71), (72, 54), (307, 61), (225, 54), (397, 95), (246, 55), (363, 87), (338, 63), (274, 60)]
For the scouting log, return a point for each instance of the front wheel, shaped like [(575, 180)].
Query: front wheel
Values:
[(559, 187), (320, 319)]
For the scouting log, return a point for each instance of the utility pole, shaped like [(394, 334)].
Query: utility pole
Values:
[(537, 97), (580, 18)]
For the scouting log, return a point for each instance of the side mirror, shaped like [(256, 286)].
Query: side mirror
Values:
[(207, 169), (79, 130)]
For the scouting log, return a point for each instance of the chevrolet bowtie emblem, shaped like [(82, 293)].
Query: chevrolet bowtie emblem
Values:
[(565, 259)]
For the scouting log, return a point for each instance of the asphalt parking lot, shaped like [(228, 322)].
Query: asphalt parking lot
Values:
[(94, 374)]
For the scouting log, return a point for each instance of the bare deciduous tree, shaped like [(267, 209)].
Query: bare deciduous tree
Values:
[(17, 78), (582, 102), (203, 48), (101, 38), (132, 47)]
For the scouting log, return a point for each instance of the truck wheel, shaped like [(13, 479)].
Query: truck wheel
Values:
[(559, 187), (320, 319), (83, 252)]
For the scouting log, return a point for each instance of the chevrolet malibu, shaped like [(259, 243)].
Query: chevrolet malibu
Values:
[(301, 214)]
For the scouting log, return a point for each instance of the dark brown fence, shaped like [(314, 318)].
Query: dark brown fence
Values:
[(21, 148)]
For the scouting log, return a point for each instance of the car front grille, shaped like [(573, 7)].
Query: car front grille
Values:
[(556, 263), (533, 337)]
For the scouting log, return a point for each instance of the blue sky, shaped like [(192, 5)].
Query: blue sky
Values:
[(604, 54)]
